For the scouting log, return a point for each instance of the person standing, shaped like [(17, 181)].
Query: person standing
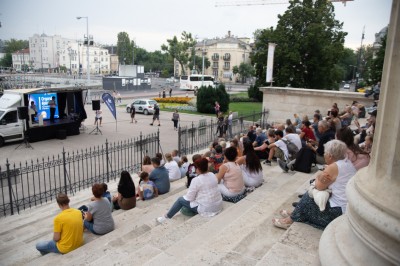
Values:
[(175, 119), (34, 109), (170, 92), (230, 122), (68, 229), (163, 93), (52, 104), (98, 117), (156, 115), (133, 112), (216, 108)]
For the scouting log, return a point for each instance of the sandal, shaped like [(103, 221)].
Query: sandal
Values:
[(279, 224), (284, 213)]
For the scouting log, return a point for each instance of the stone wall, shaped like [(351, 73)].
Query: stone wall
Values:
[(284, 102)]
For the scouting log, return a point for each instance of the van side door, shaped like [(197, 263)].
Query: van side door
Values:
[(10, 127)]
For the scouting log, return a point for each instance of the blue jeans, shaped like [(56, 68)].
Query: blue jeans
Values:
[(45, 247), (89, 226), (179, 203)]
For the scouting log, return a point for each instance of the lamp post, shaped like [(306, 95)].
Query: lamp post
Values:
[(69, 54), (87, 51)]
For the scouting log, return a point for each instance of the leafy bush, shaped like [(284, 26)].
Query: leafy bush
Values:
[(207, 96), (255, 93), (234, 99), (184, 100)]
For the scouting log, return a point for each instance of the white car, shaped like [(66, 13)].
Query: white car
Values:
[(145, 106), (346, 86), (171, 80)]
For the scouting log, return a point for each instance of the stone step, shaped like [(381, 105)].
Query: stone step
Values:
[(297, 246), (247, 224), (111, 237), (40, 227)]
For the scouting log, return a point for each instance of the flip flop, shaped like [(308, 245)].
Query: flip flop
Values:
[(279, 224), (284, 213)]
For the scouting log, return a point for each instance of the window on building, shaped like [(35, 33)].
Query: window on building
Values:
[(215, 64), (215, 73), (227, 65)]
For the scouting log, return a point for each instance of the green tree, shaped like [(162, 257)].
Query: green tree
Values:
[(206, 97), (179, 49), (377, 62), (14, 45), (309, 44), (235, 70), (6, 61), (124, 48), (254, 93), (245, 71), (346, 63), (199, 63)]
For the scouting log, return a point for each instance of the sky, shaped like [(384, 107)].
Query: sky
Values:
[(151, 22)]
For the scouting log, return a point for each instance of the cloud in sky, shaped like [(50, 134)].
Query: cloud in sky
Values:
[(151, 22)]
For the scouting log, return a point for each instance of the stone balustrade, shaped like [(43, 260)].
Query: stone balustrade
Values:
[(284, 102)]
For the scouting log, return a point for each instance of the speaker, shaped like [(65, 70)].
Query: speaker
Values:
[(23, 112), (95, 105)]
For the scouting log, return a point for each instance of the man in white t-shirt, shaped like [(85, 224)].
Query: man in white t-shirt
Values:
[(293, 137)]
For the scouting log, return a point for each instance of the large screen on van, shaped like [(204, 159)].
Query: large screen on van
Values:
[(42, 104)]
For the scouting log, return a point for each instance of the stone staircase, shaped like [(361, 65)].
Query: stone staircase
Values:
[(242, 234)]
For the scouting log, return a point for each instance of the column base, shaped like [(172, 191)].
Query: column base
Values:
[(356, 237)]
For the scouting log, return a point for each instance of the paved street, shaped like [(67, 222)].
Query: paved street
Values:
[(112, 130)]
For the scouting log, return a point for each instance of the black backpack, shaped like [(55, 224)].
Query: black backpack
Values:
[(304, 160)]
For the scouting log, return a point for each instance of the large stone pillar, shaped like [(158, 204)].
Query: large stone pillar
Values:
[(369, 232)]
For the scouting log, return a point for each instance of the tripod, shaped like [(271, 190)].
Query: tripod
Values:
[(26, 142), (96, 130)]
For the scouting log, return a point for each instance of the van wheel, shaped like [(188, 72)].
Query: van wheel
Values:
[(145, 112), (1, 141)]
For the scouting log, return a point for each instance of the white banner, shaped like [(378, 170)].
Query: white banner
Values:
[(270, 62)]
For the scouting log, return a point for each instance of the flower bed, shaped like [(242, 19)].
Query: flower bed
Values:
[(180, 107), (182, 100)]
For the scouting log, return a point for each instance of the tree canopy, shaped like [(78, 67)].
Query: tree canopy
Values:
[(309, 44), (11, 46), (178, 49), (124, 48)]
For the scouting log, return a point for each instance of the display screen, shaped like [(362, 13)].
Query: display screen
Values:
[(42, 104)]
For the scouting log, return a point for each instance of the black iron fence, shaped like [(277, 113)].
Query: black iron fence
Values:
[(28, 184), (193, 138)]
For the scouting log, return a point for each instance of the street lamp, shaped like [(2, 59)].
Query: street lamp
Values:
[(87, 51), (203, 54)]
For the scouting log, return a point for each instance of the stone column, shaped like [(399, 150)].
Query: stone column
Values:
[(369, 232)]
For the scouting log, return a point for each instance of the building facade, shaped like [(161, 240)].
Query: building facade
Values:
[(55, 53), (21, 60), (224, 54)]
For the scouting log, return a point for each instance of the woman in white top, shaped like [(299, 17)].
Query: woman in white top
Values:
[(173, 169), (251, 166), (202, 197), (338, 172)]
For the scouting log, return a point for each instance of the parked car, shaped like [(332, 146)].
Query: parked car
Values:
[(145, 106), (171, 80), (346, 86)]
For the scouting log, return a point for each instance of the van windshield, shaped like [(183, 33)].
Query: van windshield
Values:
[(1, 113)]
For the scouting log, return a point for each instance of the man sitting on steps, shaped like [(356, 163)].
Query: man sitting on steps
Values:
[(68, 229)]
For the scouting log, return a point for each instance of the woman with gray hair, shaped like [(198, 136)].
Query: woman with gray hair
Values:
[(335, 176)]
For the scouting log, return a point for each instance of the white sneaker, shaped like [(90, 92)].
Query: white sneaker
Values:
[(161, 219)]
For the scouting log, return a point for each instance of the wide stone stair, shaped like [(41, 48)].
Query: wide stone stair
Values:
[(242, 234)]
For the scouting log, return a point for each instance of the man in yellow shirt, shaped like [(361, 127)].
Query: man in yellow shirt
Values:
[(68, 230)]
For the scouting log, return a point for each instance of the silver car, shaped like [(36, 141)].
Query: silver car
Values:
[(145, 106)]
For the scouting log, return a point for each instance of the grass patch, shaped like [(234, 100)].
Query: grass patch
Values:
[(245, 108)]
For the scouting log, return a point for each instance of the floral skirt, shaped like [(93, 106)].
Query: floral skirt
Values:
[(308, 212)]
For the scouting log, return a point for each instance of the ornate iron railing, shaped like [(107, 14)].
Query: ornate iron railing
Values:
[(31, 183)]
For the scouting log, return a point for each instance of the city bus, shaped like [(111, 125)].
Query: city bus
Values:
[(194, 81)]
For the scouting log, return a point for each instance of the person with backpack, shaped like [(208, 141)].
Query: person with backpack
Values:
[(305, 158)]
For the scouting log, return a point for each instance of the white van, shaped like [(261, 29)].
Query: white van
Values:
[(11, 128)]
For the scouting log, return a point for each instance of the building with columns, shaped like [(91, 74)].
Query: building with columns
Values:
[(49, 53), (224, 54)]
